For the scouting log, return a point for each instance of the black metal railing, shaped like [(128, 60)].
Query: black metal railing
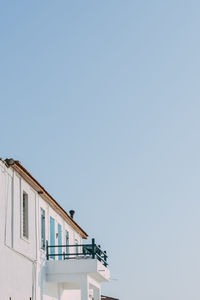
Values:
[(83, 251)]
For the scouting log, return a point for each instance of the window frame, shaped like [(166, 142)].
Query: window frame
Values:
[(52, 236), (67, 241), (42, 229), (25, 234), (76, 246)]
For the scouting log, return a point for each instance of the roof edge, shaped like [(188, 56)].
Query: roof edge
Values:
[(24, 173)]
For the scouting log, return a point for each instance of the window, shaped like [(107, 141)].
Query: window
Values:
[(52, 237), (76, 247), (67, 241), (42, 214), (25, 228), (59, 241)]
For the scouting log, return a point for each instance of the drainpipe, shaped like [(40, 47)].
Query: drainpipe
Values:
[(12, 212)]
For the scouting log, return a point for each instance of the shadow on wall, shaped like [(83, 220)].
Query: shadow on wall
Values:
[(108, 298)]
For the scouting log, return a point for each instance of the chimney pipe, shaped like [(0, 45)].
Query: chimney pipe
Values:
[(72, 212), (9, 161)]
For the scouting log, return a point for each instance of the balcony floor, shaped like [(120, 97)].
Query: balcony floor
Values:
[(71, 271)]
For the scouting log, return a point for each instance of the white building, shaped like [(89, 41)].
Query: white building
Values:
[(33, 227)]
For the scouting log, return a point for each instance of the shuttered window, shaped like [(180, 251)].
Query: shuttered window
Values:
[(67, 241), (59, 241), (52, 237), (76, 247), (25, 220), (42, 214)]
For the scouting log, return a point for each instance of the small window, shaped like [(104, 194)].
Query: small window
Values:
[(42, 215), (25, 231)]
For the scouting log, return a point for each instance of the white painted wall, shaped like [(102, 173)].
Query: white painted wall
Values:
[(15, 269), (22, 273)]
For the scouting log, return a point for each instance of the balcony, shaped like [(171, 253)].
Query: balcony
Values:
[(78, 267), (84, 251)]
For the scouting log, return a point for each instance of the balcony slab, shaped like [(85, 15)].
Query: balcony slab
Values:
[(71, 271)]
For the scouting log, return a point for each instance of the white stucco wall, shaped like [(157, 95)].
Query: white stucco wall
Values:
[(71, 294), (22, 273), (15, 270)]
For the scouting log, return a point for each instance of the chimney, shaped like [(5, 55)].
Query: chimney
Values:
[(9, 161), (72, 212)]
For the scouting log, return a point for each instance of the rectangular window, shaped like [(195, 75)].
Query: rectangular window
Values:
[(76, 247), (59, 241), (67, 241), (25, 220), (52, 237), (42, 214)]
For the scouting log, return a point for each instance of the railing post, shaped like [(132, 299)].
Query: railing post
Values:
[(93, 248), (99, 252), (105, 258), (47, 250)]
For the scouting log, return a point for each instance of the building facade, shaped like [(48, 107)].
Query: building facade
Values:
[(43, 256)]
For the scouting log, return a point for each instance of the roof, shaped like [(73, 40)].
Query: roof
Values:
[(107, 298), (20, 169)]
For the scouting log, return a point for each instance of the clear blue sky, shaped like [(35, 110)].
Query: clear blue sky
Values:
[(100, 100)]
